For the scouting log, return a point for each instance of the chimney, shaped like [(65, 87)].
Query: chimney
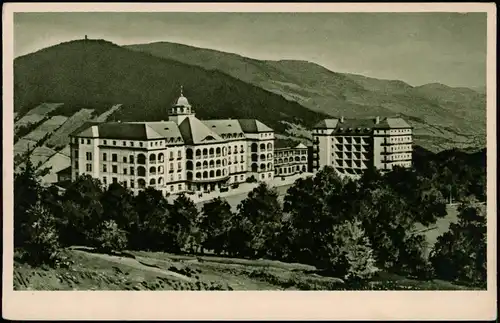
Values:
[(342, 119), (377, 120)]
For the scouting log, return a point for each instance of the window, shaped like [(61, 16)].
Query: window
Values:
[(89, 156), (88, 141), (180, 187), (179, 154), (131, 144), (82, 141), (115, 169), (115, 180), (171, 188), (124, 159), (104, 168), (179, 166), (132, 184), (76, 164), (125, 171), (242, 177), (89, 167), (140, 144), (114, 143), (132, 171), (131, 159), (76, 153), (171, 155), (104, 180), (125, 184), (114, 157), (104, 157)]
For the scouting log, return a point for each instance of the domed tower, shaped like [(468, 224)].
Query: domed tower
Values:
[(181, 109)]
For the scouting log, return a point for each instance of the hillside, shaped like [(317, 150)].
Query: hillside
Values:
[(443, 117), (87, 270), (97, 74)]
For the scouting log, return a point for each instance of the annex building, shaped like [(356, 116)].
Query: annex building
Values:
[(352, 145)]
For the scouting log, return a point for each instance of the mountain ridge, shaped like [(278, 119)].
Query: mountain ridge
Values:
[(222, 84)]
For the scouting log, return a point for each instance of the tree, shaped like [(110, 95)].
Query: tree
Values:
[(81, 211), (27, 190), (460, 253), (214, 224), (110, 237), (312, 213), (263, 211), (117, 203), (42, 243), (152, 231), (183, 215)]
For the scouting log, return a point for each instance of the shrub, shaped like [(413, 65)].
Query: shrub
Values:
[(42, 244), (110, 237)]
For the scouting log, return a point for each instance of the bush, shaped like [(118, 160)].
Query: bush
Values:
[(42, 244), (110, 238)]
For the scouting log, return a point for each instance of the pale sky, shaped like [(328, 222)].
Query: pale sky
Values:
[(417, 48)]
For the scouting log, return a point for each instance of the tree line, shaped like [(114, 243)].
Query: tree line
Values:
[(350, 229)]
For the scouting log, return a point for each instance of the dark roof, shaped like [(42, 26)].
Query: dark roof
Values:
[(65, 170), (253, 126), (131, 131), (195, 132), (362, 123)]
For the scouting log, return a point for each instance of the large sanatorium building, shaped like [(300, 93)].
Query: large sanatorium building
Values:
[(174, 156), (188, 154)]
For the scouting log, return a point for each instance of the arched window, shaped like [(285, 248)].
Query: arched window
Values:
[(189, 165), (254, 147), (224, 163), (189, 153), (280, 160), (262, 147), (161, 157), (269, 156), (223, 151), (262, 166), (269, 166), (211, 173), (198, 165), (269, 146), (161, 170), (262, 157), (217, 150), (141, 182), (205, 164), (297, 158), (141, 159), (255, 157), (198, 175), (217, 163), (198, 152), (205, 174), (211, 151), (285, 160), (189, 176), (255, 168), (217, 173), (152, 158), (304, 158), (141, 171), (160, 180), (205, 152), (152, 181), (211, 164), (223, 172), (152, 170), (131, 159)]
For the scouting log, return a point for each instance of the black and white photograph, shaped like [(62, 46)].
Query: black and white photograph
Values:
[(250, 151)]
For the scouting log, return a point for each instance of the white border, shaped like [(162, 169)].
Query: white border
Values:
[(457, 305)]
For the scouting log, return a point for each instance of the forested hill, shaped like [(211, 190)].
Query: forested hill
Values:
[(98, 74)]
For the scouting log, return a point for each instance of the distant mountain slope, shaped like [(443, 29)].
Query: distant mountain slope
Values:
[(97, 74), (443, 117)]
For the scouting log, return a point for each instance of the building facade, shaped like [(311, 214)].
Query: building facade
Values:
[(352, 145), (174, 156), (290, 160)]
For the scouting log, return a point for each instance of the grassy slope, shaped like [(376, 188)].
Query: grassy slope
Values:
[(90, 272), (97, 74), (441, 115)]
